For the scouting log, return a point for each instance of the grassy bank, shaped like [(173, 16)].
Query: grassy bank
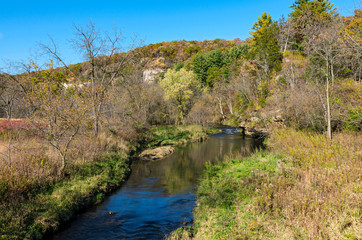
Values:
[(175, 135), (308, 188), (37, 215), (35, 202)]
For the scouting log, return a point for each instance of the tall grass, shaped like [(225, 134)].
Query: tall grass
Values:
[(34, 198), (309, 188), (319, 193)]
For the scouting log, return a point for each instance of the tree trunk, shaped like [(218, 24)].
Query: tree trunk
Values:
[(329, 130), (9, 110), (95, 121), (220, 107), (62, 163), (332, 75), (230, 106), (286, 44), (293, 77)]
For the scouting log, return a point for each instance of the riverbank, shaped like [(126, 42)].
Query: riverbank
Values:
[(305, 187), (45, 207), (160, 142)]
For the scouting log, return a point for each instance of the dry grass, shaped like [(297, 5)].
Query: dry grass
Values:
[(309, 188), (318, 193), (35, 198), (34, 165)]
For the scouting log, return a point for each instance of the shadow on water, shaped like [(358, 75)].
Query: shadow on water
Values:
[(159, 196)]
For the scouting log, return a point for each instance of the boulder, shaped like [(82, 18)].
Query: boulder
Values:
[(149, 75)]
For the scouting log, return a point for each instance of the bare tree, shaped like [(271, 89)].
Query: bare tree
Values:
[(104, 64), (285, 33), (59, 112), (324, 41)]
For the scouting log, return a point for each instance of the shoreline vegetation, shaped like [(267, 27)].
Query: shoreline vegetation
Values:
[(303, 187), (45, 207)]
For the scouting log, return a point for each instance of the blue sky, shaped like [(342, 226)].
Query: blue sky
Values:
[(23, 24)]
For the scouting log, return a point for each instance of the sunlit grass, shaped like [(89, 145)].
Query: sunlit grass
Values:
[(309, 188)]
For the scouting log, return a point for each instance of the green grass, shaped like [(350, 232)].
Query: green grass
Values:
[(44, 213), (226, 190), (175, 135), (308, 188)]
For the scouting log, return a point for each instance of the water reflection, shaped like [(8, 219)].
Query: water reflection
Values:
[(159, 196)]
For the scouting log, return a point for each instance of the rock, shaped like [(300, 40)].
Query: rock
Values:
[(149, 75), (156, 153), (256, 133)]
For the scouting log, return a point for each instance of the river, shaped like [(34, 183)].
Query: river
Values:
[(159, 196)]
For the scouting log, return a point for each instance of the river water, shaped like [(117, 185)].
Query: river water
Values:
[(159, 196)]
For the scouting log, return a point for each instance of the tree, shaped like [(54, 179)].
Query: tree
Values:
[(264, 45), (8, 95), (327, 46), (265, 49), (180, 88), (104, 64), (200, 67), (210, 67), (12, 93), (285, 33), (306, 13), (352, 36), (58, 112)]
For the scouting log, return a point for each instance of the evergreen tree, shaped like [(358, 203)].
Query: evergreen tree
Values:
[(264, 45), (200, 67), (306, 13)]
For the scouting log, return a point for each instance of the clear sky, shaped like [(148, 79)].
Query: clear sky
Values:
[(23, 24)]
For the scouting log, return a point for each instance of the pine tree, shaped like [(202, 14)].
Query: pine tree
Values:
[(264, 45), (306, 13)]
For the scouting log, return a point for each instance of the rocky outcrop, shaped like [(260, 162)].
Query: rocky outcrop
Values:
[(156, 153), (256, 133), (150, 75)]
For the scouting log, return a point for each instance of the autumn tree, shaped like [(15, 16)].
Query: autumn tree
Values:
[(58, 111), (352, 38), (8, 96), (105, 64), (180, 88)]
